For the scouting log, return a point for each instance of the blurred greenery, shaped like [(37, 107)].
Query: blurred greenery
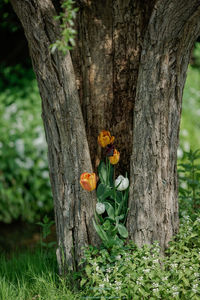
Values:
[(189, 183), (24, 180), (190, 120)]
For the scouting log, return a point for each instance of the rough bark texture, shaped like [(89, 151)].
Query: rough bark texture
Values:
[(166, 49), (106, 62), (130, 65), (65, 132)]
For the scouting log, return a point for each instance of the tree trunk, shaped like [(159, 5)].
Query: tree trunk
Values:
[(168, 41), (130, 64), (106, 61), (68, 150)]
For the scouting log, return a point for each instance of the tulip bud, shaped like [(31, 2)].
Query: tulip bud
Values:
[(115, 158), (88, 181), (100, 208), (121, 183), (105, 138)]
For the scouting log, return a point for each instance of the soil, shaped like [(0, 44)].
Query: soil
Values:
[(19, 236)]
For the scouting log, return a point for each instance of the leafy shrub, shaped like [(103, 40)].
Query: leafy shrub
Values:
[(141, 273), (24, 181), (189, 183), (190, 126)]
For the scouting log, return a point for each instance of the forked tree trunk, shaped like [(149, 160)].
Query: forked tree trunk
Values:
[(130, 64)]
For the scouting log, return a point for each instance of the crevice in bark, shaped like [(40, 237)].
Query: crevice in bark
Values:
[(87, 230), (73, 249)]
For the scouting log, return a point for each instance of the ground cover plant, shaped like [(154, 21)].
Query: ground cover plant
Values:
[(132, 273)]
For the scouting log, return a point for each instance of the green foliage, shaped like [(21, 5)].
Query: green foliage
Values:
[(190, 125), (196, 55), (110, 225), (66, 19), (46, 230), (189, 183), (142, 273), (24, 181), (9, 21)]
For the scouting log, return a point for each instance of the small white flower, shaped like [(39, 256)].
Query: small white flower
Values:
[(147, 271), (101, 286), (100, 208), (144, 257), (45, 174), (118, 257), (155, 261), (174, 265), (155, 284), (19, 144), (108, 270), (165, 278), (106, 279), (175, 294), (155, 290), (140, 278), (118, 282), (121, 183)]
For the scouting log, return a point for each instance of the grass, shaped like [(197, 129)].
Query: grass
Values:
[(33, 276)]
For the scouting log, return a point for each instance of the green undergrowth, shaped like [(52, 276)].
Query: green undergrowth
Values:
[(121, 273), (133, 273)]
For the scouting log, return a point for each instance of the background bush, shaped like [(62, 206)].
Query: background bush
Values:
[(24, 180)]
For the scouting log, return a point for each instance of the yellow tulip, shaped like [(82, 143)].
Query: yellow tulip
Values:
[(105, 138), (88, 181), (115, 158)]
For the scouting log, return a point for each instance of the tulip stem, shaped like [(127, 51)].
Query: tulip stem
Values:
[(108, 172)]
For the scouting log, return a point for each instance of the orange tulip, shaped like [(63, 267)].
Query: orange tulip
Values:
[(115, 158), (105, 138), (88, 181)]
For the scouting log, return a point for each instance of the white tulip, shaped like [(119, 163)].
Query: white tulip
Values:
[(100, 208), (122, 183)]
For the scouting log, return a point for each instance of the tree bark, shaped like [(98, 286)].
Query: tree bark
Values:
[(68, 150), (106, 61), (166, 49), (130, 64)]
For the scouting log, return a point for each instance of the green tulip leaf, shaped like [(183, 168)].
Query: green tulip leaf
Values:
[(103, 192), (110, 210), (106, 225), (102, 234), (102, 172), (122, 230), (100, 190)]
